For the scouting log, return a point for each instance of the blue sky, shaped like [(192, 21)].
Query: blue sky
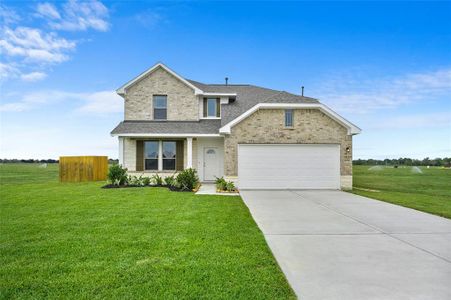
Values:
[(386, 66)]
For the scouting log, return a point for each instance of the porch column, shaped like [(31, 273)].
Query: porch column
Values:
[(189, 152), (121, 150), (160, 156)]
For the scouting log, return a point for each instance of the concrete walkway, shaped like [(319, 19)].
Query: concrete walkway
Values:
[(336, 245), (210, 189)]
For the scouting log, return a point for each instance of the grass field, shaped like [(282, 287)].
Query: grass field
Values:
[(80, 241), (429, 191)]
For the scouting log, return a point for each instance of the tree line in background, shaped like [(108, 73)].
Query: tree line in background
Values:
[(438, 162), (43, 161)]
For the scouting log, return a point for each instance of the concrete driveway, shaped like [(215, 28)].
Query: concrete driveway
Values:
[(336, 245)]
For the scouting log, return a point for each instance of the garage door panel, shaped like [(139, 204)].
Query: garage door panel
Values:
[(304, 183), (297, 166)]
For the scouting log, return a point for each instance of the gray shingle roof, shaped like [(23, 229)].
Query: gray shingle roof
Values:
[(182, 127), (247, 97)]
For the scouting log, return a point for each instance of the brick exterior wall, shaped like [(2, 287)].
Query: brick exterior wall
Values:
[(182, 104), (267, 126)]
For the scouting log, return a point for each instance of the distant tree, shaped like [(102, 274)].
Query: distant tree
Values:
[(405, 161), (408, 162), (426, 161)]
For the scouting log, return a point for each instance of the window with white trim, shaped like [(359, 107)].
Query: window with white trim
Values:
[(169, 155), (212, 108), (160, 107), (152, 155), (289, 118)]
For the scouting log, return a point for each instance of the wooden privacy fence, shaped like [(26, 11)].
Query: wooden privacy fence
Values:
[(83, 168)]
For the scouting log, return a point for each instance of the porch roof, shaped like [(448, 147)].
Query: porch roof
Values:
[(167, 127)]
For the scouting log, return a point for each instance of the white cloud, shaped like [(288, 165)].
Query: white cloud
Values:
[(24, 48), (33, 76), (76, 16), (148, 18), (8, 16), (34, 100), (48, 10), (362, 97), (100, 103), (8, 71), (104, 102), (421, 121), (34, 45)]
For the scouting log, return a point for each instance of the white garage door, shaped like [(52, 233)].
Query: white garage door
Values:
[(295, 166)]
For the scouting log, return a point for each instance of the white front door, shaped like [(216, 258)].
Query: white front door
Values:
[(211, 163)]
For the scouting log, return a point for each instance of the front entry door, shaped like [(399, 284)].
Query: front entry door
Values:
[(211, 165)]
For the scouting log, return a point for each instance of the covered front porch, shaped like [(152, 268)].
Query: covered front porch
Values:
[(166, 155)]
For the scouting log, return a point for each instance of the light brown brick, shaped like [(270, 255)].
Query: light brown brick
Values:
[(183, 105), (266, 126)]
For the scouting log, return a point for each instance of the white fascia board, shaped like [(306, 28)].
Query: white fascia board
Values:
[(219, 94), (352, 129), (162, 135), (122, 89)]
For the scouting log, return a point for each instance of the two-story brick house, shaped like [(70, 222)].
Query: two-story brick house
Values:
[(258, 137)]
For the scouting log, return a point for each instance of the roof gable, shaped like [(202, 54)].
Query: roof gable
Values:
[(351, 128), (123, 89)]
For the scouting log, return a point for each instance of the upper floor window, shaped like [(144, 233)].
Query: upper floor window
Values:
[(160, 107), (212, 108), (288, 118)]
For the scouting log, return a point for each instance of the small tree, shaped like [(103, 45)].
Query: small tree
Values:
[(117, 175), (188, 179)]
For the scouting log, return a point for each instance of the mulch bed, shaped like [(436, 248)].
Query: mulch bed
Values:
[(172, 188)]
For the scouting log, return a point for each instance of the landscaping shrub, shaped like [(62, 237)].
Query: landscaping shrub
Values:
[(169, 180), (188, 179), (157, 180), (230, 186), (225, 186), (136, 181), (117, 175), (221, 183), (146, 181)]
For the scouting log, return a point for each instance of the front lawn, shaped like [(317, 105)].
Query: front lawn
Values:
[(80, 241), (428, 190)]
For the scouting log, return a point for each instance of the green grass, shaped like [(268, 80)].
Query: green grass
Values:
[(80, 241), (429, 192)]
